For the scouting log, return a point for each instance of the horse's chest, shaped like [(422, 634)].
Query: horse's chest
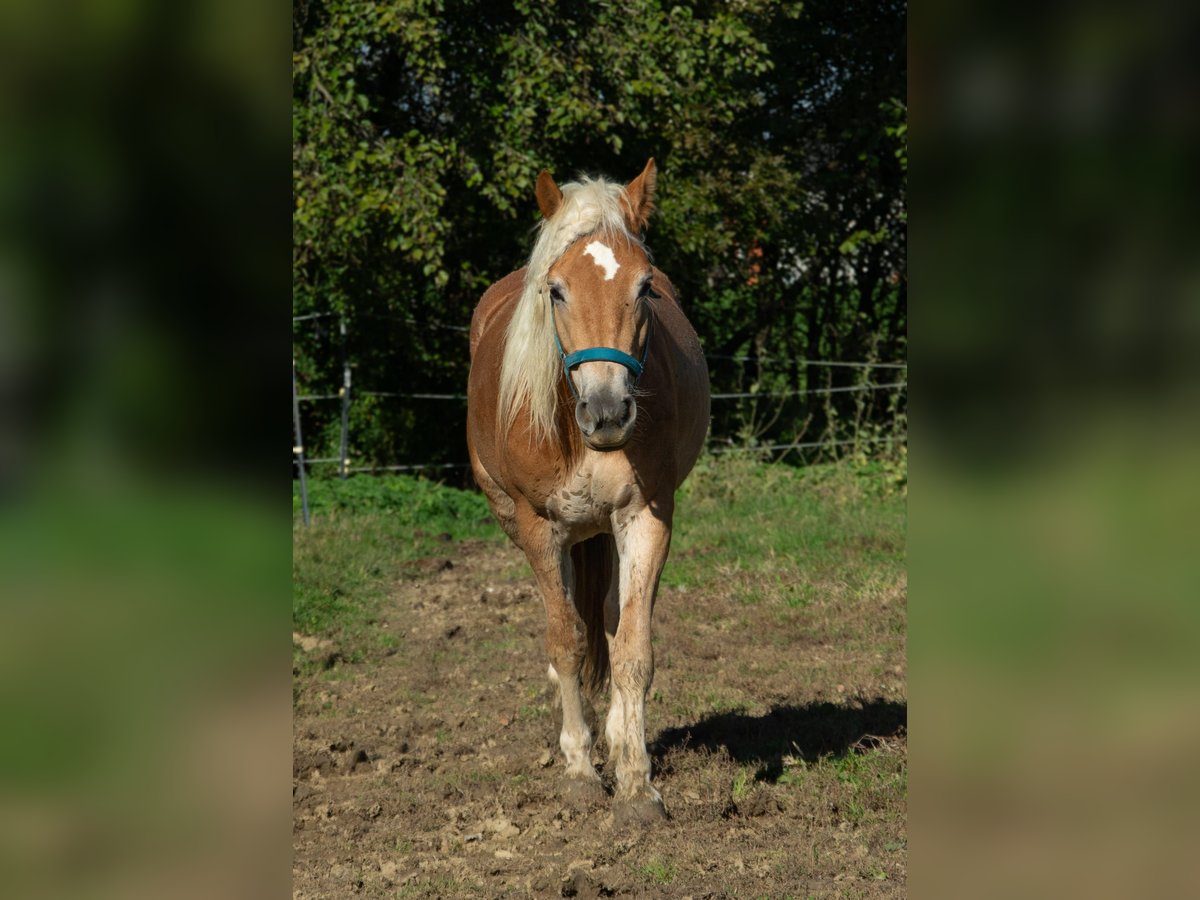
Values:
[(585, 504)]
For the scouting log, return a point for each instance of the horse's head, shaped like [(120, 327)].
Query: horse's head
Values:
[(599, 294)]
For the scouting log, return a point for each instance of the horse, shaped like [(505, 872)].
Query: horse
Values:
[(588, 405)]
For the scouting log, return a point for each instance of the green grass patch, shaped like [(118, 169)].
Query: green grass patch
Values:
[(365, 532), (741, 783), (535, 711), (658, 870), (784, 535), (863, 786), (415, 502), (441, 886)]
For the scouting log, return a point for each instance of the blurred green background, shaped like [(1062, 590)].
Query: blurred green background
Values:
[(1055, 609), (144, 599)]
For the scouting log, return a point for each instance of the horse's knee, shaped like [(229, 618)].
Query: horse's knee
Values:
[(566, 652), (633, 675), (566, 634)]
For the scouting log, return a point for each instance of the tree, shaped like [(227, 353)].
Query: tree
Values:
[(419, 128)]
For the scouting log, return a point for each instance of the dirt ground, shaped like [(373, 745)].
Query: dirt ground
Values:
[(430, 766)]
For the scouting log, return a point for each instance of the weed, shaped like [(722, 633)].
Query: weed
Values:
[(795, 771), (751, 595), (440, 887), (720, 704), (658, 870), (538, 711), (848, 768), (800, 596), (740, 782)]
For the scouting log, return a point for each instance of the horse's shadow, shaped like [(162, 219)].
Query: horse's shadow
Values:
[(808, 732)]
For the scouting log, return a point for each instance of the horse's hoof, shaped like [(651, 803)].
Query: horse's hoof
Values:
[(582, 793), (640, 810)]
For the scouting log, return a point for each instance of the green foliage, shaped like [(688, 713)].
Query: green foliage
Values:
[(419, 128)]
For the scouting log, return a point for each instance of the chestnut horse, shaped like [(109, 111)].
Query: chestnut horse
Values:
[(587, 407)]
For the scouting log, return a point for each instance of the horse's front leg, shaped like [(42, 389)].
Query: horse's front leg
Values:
[(643, 539), (566, 644)]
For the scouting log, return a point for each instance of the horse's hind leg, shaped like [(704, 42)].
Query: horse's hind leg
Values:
[(642, 545), (565, 644)]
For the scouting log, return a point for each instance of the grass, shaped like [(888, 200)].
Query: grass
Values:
[(365, 534), (439, 887), (741, 782), (658, 870), (534, 711), (785, 535), (862, 785)]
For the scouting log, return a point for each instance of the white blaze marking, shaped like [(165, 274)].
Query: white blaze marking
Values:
[(603, 255)]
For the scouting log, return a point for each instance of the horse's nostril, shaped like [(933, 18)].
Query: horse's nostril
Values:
[(584, 417), (604, 413)]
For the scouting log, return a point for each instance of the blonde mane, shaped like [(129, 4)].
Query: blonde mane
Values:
[(531, 367)]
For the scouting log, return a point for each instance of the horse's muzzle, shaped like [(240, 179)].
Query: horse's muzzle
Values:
[(606, 419)]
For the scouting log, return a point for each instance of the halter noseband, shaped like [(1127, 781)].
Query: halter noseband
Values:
[(599, 354)]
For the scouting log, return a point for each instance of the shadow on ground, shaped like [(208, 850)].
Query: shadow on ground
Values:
[(810, 732)]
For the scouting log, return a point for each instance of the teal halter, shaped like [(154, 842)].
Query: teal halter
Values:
[(599, 354)]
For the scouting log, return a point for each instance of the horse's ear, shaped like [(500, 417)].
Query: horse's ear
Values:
[(549, 197), (640, 195)]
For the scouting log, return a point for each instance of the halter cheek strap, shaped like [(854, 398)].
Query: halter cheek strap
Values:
[(599, 354)]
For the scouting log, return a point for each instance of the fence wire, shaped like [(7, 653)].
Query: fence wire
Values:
[(719, 446), (829, 390), (775, 448)]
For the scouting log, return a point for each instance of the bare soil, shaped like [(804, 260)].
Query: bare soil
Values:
[(430, 767)]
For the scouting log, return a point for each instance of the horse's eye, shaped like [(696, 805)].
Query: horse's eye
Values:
[(556, 295), (646, 292)]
